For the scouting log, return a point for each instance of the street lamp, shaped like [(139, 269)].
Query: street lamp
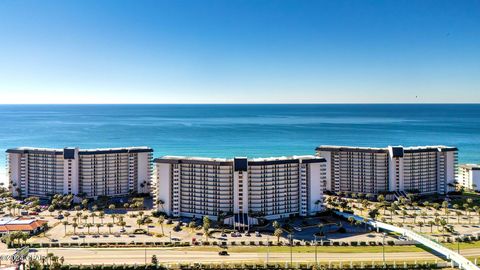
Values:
[(268, 249), (291, 251), (458, 245), (383, 248), (316, 262)]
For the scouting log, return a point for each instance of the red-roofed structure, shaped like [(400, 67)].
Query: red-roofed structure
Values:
[(31, 226)]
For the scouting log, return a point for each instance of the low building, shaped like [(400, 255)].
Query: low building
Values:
[(43, 172), (469, 176), (422, 169), (30, 226), (239, 188)]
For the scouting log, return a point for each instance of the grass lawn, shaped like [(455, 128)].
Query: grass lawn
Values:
[(333, 249), (463, 245)]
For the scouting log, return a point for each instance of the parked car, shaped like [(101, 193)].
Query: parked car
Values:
[(60, 217), (223, 253), (247, 234), (257, 234)]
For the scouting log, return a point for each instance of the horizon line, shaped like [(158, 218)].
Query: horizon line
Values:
[(276, 103)]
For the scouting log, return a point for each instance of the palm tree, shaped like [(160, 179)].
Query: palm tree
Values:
[(206, 226), (88, 225), (351, 220), (139, 222), (113, 217), (161, 204), (423, 214), (161, 219), (93, 215), (443, 223), (468, 216), (101, 215), (445, 207), (122, 223), (469, 201), (431, 223), (373, 213), (192, 224), (110, 226), (420, 224), (98, 225), (65, 223), (276, 225), (78, 214), (278, 232), (74, 225), (85, 204), (404, 215), (458, 216), (426, 204), (381, 200), (67, 214), (321, 227)]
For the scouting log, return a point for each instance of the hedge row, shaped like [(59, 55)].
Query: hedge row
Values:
[(242, 266), (204, 243)]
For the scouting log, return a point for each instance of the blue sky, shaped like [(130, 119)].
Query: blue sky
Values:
[(232, 51)]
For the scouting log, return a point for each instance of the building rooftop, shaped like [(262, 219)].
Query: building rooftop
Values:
[(229, 161), (384, 149), (470, 166), (27, 149), (20, 224)]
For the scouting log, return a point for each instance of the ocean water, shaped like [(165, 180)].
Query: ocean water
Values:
[(240, 130)]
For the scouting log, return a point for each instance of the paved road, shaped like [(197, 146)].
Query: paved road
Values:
[(131, 256)]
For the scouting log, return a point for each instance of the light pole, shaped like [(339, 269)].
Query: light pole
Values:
[(383, 248), (458, 245), (291, 251), (145, 256), (170, 236), (268, 249), (316, 262)]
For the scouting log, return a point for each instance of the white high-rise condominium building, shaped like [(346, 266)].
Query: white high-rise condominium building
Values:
[(43, 172), (425, 169), (243, 188), (469, 176)]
